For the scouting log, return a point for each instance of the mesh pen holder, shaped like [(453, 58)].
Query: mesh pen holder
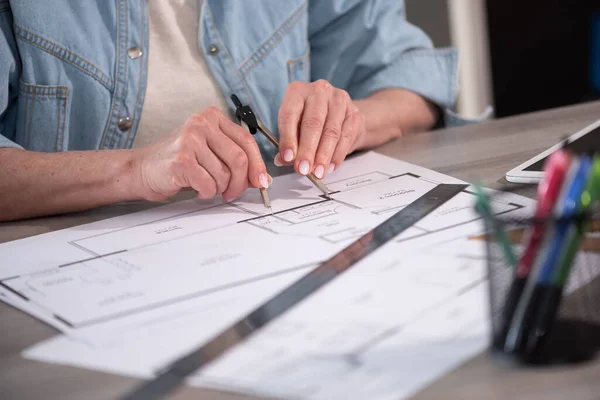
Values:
[(560, 325)]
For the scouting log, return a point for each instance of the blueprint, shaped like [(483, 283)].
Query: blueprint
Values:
[(178, 274)]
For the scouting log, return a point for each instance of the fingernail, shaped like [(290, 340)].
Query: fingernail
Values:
[(263, 180), (277, 162), (319, 171), (228, 199), (331, 167), (270, 179), (288, 155), (303, 167)]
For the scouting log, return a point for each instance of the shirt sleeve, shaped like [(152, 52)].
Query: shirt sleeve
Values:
[(10, 67), (366, 45)]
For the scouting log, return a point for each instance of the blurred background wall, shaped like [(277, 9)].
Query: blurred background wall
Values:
[(519, 56)]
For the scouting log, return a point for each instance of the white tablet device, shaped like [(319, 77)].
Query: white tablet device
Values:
[(587, 139)]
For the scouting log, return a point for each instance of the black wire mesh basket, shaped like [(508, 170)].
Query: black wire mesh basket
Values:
[(548, 316)]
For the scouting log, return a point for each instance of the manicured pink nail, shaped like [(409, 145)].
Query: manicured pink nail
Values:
[(263, 180), (303, 167), (319, 171), (277, 162), (331, 167), (288, 155)]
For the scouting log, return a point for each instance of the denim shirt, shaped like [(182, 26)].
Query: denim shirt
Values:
[(72, 77)]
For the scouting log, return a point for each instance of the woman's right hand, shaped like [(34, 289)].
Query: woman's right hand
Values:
[(208, 153)]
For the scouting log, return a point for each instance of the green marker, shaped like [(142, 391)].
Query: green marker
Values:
[(483, 206), (589, 196)]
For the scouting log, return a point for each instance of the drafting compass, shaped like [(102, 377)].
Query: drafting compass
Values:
[(252, 124)]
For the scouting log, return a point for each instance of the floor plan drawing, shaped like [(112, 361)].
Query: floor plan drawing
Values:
[(122, 265), (179, 273)]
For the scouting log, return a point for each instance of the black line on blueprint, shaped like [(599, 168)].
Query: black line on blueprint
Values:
[(183, 298), (97, 257), (259, 215), (423, 178), (393, 330), (283, 211), (91, 258), (59, 318), (347, 204), (85, 250), (511, 210), (330, 193), (14, 291), (263, 228), (455, 225), (377, 339), (250, 221), (471, 286), (244, 209), (313, 219), (517, 206), (405, 174), (334, 212), (101, 257)]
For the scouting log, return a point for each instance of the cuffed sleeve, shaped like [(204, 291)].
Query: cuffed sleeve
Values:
[(366, 45), (451, 119), (9, 77)]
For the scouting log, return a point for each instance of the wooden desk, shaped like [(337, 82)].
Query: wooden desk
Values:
[(485, 151)]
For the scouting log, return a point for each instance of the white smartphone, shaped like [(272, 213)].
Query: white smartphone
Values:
[(532, 171)]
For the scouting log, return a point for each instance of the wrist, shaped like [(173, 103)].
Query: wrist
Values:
[(381, 121), (391, 113), (127, 177)]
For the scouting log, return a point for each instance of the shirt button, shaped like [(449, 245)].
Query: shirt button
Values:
[(125, 124), (134, 53), (213, 50)]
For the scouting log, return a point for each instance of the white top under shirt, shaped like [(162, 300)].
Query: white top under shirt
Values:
[(179, 81)]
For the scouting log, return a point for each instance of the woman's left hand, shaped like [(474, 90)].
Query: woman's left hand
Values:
[(318, 125)]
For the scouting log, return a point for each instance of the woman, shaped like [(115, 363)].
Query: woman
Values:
[(102, 102)]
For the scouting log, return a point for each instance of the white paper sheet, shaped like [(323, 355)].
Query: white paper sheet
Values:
[(135, 292)]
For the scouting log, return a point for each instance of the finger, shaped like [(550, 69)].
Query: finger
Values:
[(311, 127), (233, 192), (253, 161), (215, 166), (290, 114), (278, 161), (332, 131), (349, 132), (201, 181), (234, 158), (199, 128)]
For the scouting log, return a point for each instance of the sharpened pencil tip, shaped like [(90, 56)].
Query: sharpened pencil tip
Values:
[(265, 197)]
